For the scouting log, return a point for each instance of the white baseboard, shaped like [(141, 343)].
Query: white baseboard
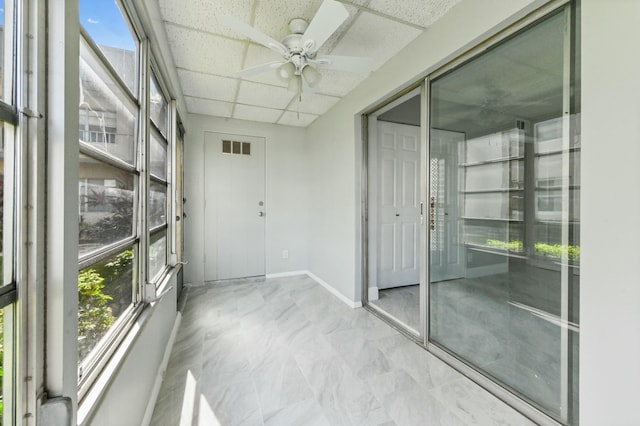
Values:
[(335, 292), (373, 293), (148, 413), (285, 274)]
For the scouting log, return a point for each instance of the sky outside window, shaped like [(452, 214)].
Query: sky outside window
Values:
[(104, 22)]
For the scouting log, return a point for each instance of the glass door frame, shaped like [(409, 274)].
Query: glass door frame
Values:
[(369, 128), (423, 339), (475, 374)]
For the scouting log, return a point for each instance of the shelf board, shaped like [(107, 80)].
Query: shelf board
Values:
[(490, 191), (491, 219), (492, 161)]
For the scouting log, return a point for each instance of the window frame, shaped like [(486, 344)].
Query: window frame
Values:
[(91, 367), (146, 287)]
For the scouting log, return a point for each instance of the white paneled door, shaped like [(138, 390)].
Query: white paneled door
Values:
[(398, 204), (235, 210)]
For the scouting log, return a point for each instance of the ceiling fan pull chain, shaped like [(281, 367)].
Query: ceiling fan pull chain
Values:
[(299, 95)]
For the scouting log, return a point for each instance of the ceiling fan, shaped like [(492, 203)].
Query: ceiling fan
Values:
[(299, 50)]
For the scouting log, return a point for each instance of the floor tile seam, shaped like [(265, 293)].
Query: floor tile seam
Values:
[(257, 398), (364, 383)]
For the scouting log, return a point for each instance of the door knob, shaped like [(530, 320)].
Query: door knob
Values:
[(260, 214)]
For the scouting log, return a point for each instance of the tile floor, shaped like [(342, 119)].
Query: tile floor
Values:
[(403, 303), (287, 352)]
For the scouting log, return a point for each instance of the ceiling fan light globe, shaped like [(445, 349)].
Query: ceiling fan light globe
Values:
[(286, 71), (311, 76)]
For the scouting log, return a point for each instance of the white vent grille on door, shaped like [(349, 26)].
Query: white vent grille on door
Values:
[(236, 147)]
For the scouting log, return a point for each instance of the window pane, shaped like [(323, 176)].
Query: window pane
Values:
[(105, 291), (105, 23), (2, 366), (158, 157), (105, 204), (3, 42), (157, 253), (2, 189), (158, 106), (505, 272), (107, 117), (157, 204)]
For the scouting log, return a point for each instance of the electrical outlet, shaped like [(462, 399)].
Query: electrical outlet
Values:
[(285, 254)]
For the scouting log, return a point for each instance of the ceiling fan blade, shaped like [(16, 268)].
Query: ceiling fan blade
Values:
[(328, 18), (253, 34), (344, 63), (258, 69)]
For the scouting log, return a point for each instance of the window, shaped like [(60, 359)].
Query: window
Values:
[(157, 203), (8, 194), (109, 183), (107, 26), (124, 183)]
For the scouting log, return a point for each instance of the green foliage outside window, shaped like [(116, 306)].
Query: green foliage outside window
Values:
[(94, 314), (104, 291), (542, 249)]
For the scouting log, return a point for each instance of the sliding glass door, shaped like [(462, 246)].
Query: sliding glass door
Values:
[(504, 218)]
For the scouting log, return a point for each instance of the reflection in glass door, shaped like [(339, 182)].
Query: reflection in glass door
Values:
[(504, 196), (394, 217)]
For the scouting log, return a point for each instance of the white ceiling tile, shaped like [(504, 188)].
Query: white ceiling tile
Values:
[(203, 14), (290, 118), (375, 37), (418, 12), (209, 107), (314, 103), (208, 86), (338, 83), (198, 51), (263, 95), (272, 17), (254, 113)]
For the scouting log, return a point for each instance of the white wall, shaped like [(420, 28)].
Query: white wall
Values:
[(335, 140), (125, 399), (610, 249), (287, 195)]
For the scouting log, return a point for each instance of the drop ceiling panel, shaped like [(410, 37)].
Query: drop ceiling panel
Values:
[(272, 17), (338, 83), (313, 103), (199, 51), (262, 95), (208, 86), (299, 120), (208, 107), (254, 113), (202, 14), (418, 12), (376, 37)]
